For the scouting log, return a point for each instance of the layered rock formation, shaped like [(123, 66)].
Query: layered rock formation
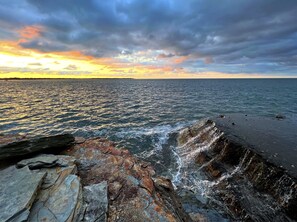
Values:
[(17, 146), (244, 181), (91, 181), (44, 188)]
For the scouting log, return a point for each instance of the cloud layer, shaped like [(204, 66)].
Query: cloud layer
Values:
[(244, 36)]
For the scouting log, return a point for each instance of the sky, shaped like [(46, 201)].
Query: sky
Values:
[(148, 38)]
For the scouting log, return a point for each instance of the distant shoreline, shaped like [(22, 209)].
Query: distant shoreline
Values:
[(12, 79)]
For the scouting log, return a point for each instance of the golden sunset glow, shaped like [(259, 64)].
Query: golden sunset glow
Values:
[(44, 45), (28, 63)]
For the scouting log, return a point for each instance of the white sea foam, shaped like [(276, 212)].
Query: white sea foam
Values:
[(160, 134)]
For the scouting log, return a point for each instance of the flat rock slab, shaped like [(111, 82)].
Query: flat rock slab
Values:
[(274, 139), (19, 147), (60, 196), (45, 161), (18, 189), (96, 202), (63, 203)]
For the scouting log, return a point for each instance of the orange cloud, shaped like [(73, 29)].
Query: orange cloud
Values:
[(16, 61), (180, 59), (30, 32)]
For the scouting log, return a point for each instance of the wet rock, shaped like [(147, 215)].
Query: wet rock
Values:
[(11, 147), (243, 178), (229, 152), (280, 117), (18, 189), (214, 169), (10, 138), (167, 192), (96, 202), (202, 158)]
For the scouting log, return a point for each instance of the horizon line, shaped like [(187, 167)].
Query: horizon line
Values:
[(201, 78)]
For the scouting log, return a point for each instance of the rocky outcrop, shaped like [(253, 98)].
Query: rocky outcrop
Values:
[(133, 195), (44, 188), (12, 147), (248, 185), (91, 181)]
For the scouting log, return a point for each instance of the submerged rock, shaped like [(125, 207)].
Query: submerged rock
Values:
[(279, 116), (12, 147)]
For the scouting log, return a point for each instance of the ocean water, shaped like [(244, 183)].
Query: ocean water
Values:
[(129, 109), (139, 114), (143, 115)]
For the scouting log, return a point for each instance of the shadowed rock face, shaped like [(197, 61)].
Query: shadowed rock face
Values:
[(247, 183), (133, 195), (12, 147)]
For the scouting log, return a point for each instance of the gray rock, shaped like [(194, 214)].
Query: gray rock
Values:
[(63, 203), (60, 196), (44, 161), (18, 189), (23, 147), (96, 202)]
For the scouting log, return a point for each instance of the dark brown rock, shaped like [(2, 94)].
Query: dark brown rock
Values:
[(202, 158), (12, 147), (214, 169)]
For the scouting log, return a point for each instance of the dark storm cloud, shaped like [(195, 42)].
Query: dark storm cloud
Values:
[(45, 46), (258, 33)]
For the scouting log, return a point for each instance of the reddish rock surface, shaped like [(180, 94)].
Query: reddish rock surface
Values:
[(133, 195)]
